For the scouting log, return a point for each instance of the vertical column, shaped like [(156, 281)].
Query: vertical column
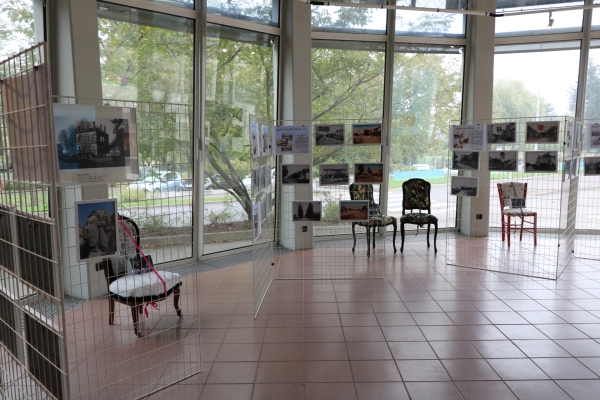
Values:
[(295, 106), (478, 107)]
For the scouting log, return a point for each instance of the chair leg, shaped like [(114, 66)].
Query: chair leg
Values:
[(176, 302), (402, 236), (435, 238), (535, 229), (428, 228), (508, 229), (503, 228), (134, 316), (395, 225), (373, 237), (111, 311), (354, 235), (368, 242), (521, 234)]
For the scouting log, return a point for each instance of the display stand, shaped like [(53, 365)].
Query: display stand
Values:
[(478, 239)]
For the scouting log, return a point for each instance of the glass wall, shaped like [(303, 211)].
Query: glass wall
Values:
[(418, 23), (16, 27), (540, 23), (147, 62), (348, 19), (260, 11), (241, 81)]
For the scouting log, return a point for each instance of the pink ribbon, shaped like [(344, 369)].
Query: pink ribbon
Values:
[(160, 278)]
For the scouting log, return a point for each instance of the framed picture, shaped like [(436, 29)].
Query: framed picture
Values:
[(354, 210), (334, 174), (593, 136), (578, 135), (291, 140), (366, 134), (463, 186), (329, 135), (503, 160), (256, 221), (254, 140), (468, 137), (255, 182), (570, 136), (97, 226), (295, 174), (542, 132), (591, 166), (465, 160), (541, 161), (261, 178), (368, 173), (306, 211), (264, 133), (502, 133)]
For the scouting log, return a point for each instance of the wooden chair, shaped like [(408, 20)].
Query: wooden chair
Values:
[(518, 194), (416, 196), (134, 290), (376, 219)]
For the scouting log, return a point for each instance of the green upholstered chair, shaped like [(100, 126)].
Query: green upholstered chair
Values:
[(376, 219), (416, 196)]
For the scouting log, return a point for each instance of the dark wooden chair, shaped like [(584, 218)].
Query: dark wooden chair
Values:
[(416, 196), (131, 289), (376, 219), (517, 192)]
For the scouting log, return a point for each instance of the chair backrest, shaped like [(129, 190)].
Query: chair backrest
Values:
[(116, 267), (516, 190), (416, 195), (362, 191)]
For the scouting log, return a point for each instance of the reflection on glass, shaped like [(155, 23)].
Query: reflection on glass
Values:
[(260, 11), (178, 3), (427, 94), (147, 62), (592, 92), (418, 23), (538, 24), (348, 19), (16, 27), (240, 76)]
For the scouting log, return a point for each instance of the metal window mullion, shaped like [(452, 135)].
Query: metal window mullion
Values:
[(584, 55), (199, 132)]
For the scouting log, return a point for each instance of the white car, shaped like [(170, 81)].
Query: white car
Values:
[(420, 167), (159, 181)]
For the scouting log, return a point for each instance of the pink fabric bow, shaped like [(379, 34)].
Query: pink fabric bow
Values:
[(153, 304)]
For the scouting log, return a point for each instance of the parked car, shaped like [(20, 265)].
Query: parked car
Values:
[(159, 181), (420, 167), (187, 184)]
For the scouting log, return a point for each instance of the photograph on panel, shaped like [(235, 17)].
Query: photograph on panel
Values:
[(295, 174), (263, 208), (541, 161), (264, 132), (468, 137), (334, 174), (593, 136), (269, 203), (465, 160), (464, 186), (354, 210), (329, 135), (366, 134), (368, 173), (578, 135), (96, 229), (291, 140), (570, 136), (503, 160), (256, 221), (591, 165), (261, 178), (306, 211), (254, 141), (268, 175), (566, 170), (574, 167), (255, 182), (502, 133), (542, 132)]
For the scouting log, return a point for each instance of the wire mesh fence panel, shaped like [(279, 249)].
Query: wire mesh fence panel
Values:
[(527, 225)]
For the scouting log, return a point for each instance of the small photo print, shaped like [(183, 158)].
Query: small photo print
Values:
[(261, 178), (256, 221), (593, 136), (263, 208), (329, 135), (465, 160), (541, 161), (542, 132), (306, 211), (574, 167), (366, 134), (334, 174), (295, 174), (268, 180), (368, 173), (502, 133), (567, 170), (503, 160), (255, 182), (591, 165), (463, 186), (96, 229), (264, 132), (254, 141), (354, 210)]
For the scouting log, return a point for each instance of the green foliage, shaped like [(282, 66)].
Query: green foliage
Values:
[(127, 195), (228, 214), (592, 92), (16, 27), (513, 100)]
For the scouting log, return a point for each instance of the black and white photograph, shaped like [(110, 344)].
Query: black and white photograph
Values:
[(95, 143), (502, 133), (368, 173), (366, 134), (570, 135), (264, 133), (261, 178), (463, 186), (295, 174), (255, 182), (591, 165), (354, 210), (593, 136), (503, 160), (256, 221), (96, 229), (541, 161), (254, 140), (306, 211), (542, 132), (329, 135), (334, 174), (465, 160)]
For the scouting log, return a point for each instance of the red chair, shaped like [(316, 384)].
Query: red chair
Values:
[(517, 193)]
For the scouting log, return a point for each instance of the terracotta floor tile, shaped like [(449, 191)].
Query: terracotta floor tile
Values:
[(521, 332), (433, 390), (412, 351), (381, 391), (321, 320), (286, 308), (540, 348), (454, 349), (593, 363), (513, 369), (355, 308), (280, 372), (535, 390), (281, 352), (232, 372), (328, 371), (481, 390), (592, 330), (244, 335), (564, 368), (470, 370), (498, 349), (238, 352), (368, 351), (403, 334), (442, 333), (359, 320), (422, 371), (227, 392), (456, 306), (388, 307), (278, 391), (468, 318), (580, 389), (505, 318), (580, 347), (283, 335), (329, 391), (324, 334), (321, 308), (285, 320), (325, 351), (375, 371), (432, 318), (561, 331), (363, 334)]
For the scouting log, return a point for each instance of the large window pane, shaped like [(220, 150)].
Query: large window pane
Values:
[(147, 61), (240, 76), (427, 94), (347, 87), (538, 24), (261, 11), (178, 3), (348, 19), (16, 27), (418, 23)]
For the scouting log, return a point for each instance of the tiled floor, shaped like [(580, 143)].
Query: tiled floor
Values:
[(426, 331)]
